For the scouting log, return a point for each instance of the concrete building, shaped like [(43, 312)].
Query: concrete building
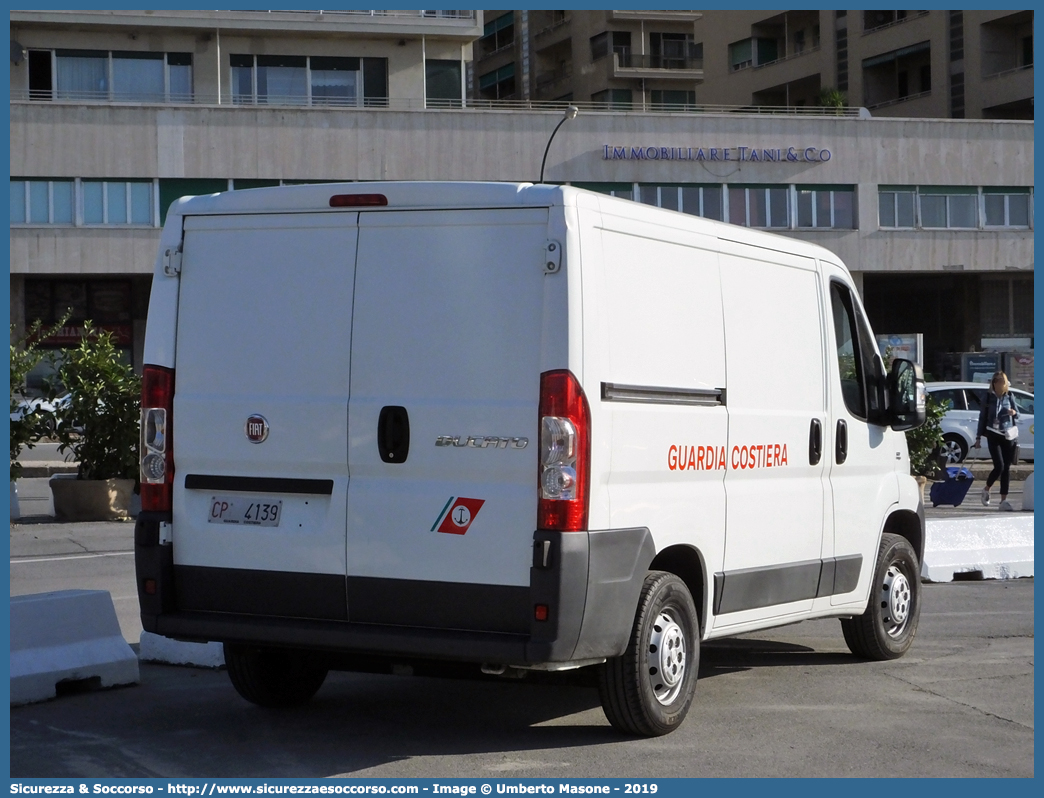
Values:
[(943, 64), (934, 216), (609, 59), (83, 236)]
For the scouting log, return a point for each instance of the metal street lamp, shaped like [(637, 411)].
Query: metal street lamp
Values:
[(570, 113)]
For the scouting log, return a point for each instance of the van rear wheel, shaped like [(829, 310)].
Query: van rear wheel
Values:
[(272, 677), (649, 688), (886, 630)]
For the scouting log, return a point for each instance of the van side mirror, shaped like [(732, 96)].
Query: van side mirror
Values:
[(906, 395)]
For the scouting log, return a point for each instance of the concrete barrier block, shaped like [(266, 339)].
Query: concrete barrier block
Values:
[(1000, 546), (68, 635), (156, 648), (1027, 494)]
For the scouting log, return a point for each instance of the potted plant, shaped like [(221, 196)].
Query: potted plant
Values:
[(99, 424), (924, 442), (832, 98)]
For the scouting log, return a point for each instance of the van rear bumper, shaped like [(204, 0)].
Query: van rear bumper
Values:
[(589, 583)]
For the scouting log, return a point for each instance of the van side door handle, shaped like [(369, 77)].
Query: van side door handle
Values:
[(841, 442), (815, 442), (393, 434)]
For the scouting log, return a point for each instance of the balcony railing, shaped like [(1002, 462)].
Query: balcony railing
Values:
[(553, 25), (440, 14), (1004, 72), (417, 104), (789, 57), (545, 80), (628, 60), (897, 100), (909, 16)]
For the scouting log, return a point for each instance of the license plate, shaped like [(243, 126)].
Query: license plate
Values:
[(251, 512)]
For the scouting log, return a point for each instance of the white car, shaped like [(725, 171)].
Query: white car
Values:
[(35, 404), (960, 422)]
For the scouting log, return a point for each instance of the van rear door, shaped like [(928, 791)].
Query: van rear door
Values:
[(446, 348), (261, 413)]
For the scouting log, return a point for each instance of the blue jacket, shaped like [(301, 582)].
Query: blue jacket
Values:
[(988, 413)]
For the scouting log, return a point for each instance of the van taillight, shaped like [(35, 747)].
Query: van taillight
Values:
[(565, 453), (157, 454)]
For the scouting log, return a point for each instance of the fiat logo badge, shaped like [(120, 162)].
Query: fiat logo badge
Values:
[(256, 429)]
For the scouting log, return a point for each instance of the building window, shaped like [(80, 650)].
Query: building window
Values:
[(897, 75), (613, 99), (826, 206), (335, 81), (954, 207), (673, 100), (117, 202), (498, 84), (674, 51), (308, 80), (896, 206), (498, 34), (697, 200), (622, 190), (948, 207), (42, 202), (84, 202), (759, 206), (620, 42), (116, 76), (442, 84), (881, 19), (741, 54), (705, 201), (1006, 207), (668, 197)]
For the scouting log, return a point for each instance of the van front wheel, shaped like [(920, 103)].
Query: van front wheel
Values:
[(886, 630), (272, 677), (649, 688)]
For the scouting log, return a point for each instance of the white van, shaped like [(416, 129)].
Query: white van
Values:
[(525, 427)]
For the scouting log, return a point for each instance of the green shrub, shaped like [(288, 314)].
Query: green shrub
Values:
[(924, 441), (100, 423)]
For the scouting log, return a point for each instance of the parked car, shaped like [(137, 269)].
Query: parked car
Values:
[(961, 420), (39, 404)]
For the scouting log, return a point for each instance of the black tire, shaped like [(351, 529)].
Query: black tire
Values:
[(665, 642), (272, 677), (954, 448), (887, 629)]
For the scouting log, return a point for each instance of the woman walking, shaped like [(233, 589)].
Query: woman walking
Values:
[(997, 422)]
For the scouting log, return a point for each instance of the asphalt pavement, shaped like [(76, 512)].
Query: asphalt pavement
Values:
[(785, 702), (789, 702)]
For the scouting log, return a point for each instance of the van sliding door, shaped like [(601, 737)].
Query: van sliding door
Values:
[(775, 489)]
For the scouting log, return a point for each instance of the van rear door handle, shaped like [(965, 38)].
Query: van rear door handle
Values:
[(393, 434), (815, 442), (841, 442)]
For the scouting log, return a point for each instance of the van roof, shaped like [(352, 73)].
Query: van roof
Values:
[(410, 195), (406, 195)]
